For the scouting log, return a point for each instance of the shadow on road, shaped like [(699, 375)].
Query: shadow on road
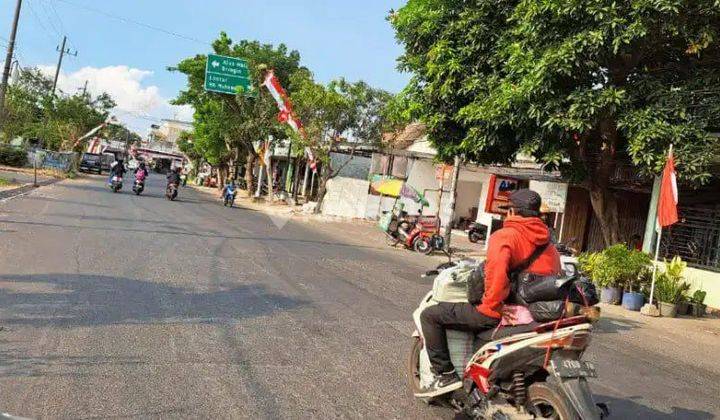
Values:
[(628, 408), (86, 300)]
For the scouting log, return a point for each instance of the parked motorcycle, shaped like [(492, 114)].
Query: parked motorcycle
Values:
[(229, 198), (535, 369), (138, 186), (476, 232), (416, 232), (171, 192), (116, 183)]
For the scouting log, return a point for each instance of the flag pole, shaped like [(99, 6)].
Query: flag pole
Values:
[(655, 265)]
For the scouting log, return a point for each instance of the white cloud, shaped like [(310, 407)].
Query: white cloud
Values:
[(137, 102)]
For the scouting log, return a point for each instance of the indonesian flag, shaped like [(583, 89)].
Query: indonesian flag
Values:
[(667, 203)]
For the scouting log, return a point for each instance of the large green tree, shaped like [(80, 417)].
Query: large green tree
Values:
[(339, 114), (580, 84), (228, 126), (58, 120)]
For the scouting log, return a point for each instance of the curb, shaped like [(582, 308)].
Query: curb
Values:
[(25, 189)]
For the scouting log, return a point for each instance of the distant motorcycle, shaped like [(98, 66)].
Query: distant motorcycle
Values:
[(116, 183), (138, 187), (229, 198), (415, 232), (476, 232), (171, 192)]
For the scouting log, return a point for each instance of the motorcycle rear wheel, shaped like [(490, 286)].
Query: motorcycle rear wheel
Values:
[(475, 237), (546, 401), (423, 245)]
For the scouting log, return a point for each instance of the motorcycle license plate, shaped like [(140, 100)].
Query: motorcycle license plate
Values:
[(573, 369)]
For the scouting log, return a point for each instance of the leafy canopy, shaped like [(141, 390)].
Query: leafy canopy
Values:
[(577, 83)]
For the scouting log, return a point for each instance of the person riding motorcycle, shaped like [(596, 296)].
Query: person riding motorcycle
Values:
[(522, 234), (174, 177), (117, 169), (141, 172), (229, 188)]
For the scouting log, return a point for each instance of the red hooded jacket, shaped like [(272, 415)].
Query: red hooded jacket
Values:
[(508, 247)]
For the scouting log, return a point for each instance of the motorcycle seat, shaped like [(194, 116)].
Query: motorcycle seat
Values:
[(492, 334)]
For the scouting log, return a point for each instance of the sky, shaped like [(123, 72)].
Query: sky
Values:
[(125, 46)]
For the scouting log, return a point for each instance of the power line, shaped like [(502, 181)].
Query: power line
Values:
[(44, 28), (135, 22), (48, 18)]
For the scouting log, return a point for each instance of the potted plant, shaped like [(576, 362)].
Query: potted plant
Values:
[(670, 289), (698, 307), (615, 269)]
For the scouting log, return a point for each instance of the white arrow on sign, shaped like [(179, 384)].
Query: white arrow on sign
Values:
[(215, 64)]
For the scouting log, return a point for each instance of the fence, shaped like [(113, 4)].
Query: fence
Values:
[(47, 159), (696, 238)]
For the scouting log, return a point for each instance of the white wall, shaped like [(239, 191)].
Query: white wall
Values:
[(346, 197)]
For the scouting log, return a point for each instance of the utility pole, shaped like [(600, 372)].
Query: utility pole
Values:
[(453, 197), (62, 51), (8, 58), (85, 88)]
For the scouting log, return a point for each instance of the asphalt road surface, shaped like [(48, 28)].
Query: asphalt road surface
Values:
[(121, 306)]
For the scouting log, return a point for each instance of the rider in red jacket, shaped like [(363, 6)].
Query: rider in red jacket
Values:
[(508, 247), (522, 232)]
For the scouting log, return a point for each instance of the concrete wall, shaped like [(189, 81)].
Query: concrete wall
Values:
[(346, 197), (421, 176), (708, 281)]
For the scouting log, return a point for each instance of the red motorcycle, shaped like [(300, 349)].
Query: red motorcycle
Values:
[(420, 233)]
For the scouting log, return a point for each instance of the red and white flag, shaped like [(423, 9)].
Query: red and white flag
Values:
[(667, 203), (286, 114)]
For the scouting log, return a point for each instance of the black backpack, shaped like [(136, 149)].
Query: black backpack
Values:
[(476, 282)]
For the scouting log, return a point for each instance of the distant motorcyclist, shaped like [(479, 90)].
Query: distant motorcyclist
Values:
[(230, 188), (117, 169), (174, 177), (141, 172), (523, 234)]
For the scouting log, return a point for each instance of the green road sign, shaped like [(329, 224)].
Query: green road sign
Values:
[(228, 75)]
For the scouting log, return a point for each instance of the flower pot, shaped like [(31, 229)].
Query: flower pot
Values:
[(683, 308), (668, 309), (698, 310), (633, 301), (611, 295)]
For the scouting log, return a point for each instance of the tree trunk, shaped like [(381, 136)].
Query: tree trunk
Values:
[(249, 181), (222, 176), (325, 173), (605, 207), (270, 196)]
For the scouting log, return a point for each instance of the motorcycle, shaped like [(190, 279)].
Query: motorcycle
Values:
[(229, 198), (138, 186), (476, 232), (534, 369), (416, 232), (116, 183), (171, 192)]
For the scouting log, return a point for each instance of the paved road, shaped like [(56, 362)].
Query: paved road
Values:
[(123, 306)]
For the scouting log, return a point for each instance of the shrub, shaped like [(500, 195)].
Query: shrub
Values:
[(669, 286), (616, 266), (12, 156), (699, 297)]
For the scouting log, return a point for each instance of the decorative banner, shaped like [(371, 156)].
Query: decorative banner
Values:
[(667, 213), (286, 114), (553, 194)]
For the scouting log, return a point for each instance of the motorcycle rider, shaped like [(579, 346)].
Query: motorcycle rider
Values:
[(174, 177), (116, 169), (229, 189), (523, 232), (141, 172)]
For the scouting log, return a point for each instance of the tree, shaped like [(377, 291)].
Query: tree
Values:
[(33, 112), (579, 84), (228, 126), (340, 110), (186, 144), (121, 133)]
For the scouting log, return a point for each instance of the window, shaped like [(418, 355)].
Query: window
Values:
[(695, 238)]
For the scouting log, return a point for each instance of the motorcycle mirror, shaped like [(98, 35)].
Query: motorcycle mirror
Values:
[(431, 273)]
